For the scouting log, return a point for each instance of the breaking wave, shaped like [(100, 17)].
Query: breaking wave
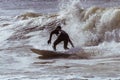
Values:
[(95, 29)]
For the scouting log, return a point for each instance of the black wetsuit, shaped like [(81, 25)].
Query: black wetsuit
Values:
[(62, 36)]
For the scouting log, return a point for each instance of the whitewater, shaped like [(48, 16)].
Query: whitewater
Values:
[(93, 27)]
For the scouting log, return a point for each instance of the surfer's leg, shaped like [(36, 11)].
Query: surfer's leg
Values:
[(56, 43), (65, 44)]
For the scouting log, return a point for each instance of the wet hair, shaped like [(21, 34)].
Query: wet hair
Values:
[(58, 27)]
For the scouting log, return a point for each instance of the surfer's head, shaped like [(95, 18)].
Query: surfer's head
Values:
[(58, 28)]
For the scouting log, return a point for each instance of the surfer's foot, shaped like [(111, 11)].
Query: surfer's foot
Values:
[(66, 48), (54, 48)]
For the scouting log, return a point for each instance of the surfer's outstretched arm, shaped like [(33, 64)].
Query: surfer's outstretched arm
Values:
[(71, 43), (49, 41)]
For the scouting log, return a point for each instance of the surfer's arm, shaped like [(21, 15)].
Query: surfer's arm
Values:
[(49, 41)]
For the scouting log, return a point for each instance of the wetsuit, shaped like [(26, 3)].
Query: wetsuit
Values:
[(62, 36)]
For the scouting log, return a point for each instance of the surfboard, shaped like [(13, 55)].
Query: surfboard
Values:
[(50, 54), (76, 53)]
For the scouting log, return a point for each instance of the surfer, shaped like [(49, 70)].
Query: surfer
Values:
[(62, 36)]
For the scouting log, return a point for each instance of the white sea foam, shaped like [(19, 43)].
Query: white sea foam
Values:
[(86, 27), (94, 31)]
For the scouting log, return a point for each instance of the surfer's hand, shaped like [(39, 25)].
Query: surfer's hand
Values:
[(49, 41)]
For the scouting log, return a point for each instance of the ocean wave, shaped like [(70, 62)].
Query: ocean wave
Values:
[(29, 15), (89, 27)]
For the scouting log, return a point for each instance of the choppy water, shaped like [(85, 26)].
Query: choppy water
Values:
[(92, 25), (15, 7)]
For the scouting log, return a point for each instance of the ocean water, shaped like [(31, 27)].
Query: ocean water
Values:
[(93, 26), (17, 7)]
